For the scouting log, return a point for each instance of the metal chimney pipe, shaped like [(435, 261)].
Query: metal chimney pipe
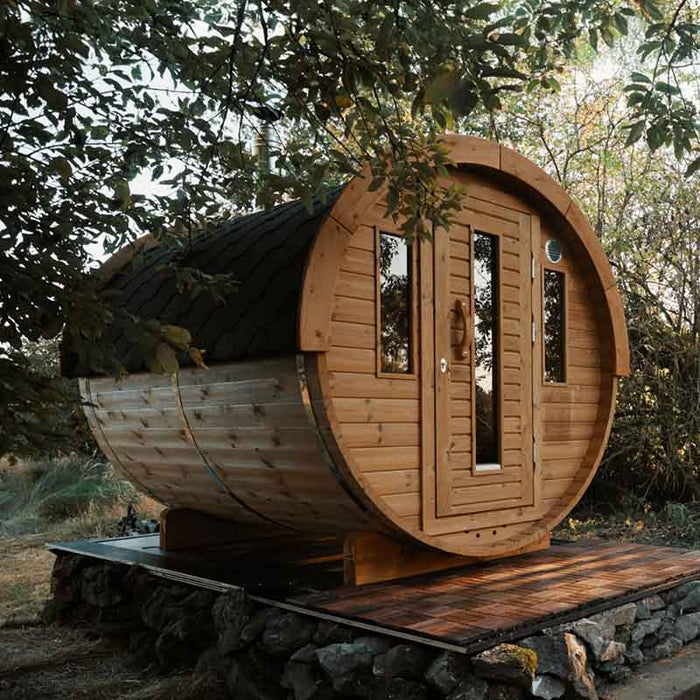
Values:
[(262, 147)]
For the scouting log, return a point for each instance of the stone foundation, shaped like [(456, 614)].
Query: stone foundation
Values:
[(267, 653)]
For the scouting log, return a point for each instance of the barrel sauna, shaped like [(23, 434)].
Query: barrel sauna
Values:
[(456, 393)]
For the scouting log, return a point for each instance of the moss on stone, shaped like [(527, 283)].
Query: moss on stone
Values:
[(526, 659)]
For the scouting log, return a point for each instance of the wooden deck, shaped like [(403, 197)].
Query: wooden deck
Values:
[(465, 609), (511, 598)]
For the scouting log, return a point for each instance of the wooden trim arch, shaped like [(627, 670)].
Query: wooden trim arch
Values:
[(345, 217)]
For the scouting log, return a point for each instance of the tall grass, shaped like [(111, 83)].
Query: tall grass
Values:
[(69, 495)]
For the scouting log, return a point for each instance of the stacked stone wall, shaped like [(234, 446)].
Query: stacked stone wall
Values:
[(262, 653)]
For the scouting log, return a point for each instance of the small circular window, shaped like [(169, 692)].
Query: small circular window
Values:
[(552, 250)]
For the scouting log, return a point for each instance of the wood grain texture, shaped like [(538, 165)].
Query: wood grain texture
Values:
[(328, 442)]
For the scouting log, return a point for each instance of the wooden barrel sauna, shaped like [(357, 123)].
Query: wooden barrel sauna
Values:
[(456, 393)]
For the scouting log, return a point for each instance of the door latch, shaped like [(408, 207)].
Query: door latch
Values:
[(444, 365)]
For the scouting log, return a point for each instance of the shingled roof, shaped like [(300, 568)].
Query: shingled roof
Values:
[(265, 252)]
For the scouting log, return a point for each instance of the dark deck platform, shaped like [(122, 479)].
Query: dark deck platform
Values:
[(465, 609)]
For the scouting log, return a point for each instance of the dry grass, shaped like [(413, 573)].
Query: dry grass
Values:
[(55, 662), (24, 578)]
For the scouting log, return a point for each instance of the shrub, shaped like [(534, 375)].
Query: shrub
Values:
[(50, 491)]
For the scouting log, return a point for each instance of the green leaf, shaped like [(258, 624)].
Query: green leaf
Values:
[(639, 78), (593, 38), (636, 131), (166, 359), (482, 11), (607, 35), (621, 24), (62, 167), (667, 88), (178, 336), (385, 32), (693, 168)]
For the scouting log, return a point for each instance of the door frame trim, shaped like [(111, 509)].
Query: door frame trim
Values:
[(530, 508)]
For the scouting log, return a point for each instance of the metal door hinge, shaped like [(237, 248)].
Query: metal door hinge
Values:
[(532, 259), (534, 452), (534, 332)]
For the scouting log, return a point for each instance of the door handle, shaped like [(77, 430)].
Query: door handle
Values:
[(464, 344)]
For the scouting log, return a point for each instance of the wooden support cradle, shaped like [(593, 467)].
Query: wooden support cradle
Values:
[(368, 557)]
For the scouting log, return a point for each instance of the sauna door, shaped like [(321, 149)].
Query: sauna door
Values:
[(477, 351)]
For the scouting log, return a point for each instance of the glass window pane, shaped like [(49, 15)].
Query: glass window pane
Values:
[(395, 304), (486, 333), (554, 326)]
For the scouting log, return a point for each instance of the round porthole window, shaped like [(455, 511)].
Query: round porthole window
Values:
[(552, 250)]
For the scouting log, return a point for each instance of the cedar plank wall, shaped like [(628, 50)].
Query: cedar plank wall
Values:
[(244, 421), (378, 418)]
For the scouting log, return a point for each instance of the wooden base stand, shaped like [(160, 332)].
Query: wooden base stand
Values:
[(371, 558), (367, 557)]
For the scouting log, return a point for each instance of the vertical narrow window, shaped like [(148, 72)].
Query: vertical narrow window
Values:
[(554, 326), (395, 286), (486, 336)]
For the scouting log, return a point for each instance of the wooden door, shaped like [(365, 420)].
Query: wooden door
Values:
[(480, 346)]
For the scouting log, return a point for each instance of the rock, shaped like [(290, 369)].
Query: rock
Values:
[(140, 584), (231, 612), (595, 635), (507, 662), (172, 653), (666, 629), (687, 627), (617, 672), (470, 688), (163, 606), (680, 592), (617, 617), (547, 687), (399, 689), (256, 625), (349, 665), (68, 566), (612, 652), (644, 628), (66, 582), (286, 633), (565, 657), (332, 633), (691, 602), (212, 661), (123, 616), (405, 660), (374, 645), (194, 631), (583, 678), (634, 656), (447, 671), (305, 655), (623, 634), (200, 600), (243, 685), (100, 585), (552, 654), (669, 647), (502, 691), (647, 606), (303, 680), (343, 659), (142, 644)]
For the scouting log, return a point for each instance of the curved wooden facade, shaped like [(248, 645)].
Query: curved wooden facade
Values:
[(299, 424)]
